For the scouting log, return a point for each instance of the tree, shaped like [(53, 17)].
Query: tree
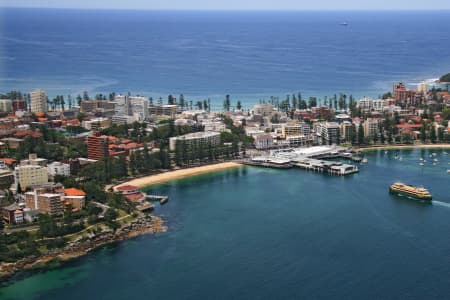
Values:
[(360, 134), (238, 105), (85, 96), (111, 214), (432, 134)]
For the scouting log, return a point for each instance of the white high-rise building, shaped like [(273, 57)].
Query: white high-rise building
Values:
[(139, 107), (38, 101), (121, 105)]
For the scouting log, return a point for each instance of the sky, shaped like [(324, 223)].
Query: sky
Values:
[(235, 4)]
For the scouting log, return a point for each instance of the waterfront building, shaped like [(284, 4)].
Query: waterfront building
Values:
[(297, 140), (58, 168), (97, 147), (328, 132), (38, 100), (263, 141), (291, 129), (346, 131), (370, 127), (196, 138), (6, 105), (30, 175)]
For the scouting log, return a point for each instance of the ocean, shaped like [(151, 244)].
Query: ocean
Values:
[(204, 54), (255, 233)]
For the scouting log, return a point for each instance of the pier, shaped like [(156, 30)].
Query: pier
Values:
[(307, 159), (161, 199)]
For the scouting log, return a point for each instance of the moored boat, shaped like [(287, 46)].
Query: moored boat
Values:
[(402, 189)]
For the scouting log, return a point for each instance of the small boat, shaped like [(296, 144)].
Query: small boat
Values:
[(448, 171), (344, 24), (364, 161), (436, 160), (421, 164), (410, 191)]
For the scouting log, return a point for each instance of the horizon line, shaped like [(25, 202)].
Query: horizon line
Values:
[(237, 9)]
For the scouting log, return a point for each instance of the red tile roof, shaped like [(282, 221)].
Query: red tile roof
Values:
[(125, 188), (74, 192)]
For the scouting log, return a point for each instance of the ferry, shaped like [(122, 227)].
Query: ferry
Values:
[(418, 193)]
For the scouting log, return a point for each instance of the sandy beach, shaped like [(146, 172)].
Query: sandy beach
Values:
[(178, 174), (399, 147)]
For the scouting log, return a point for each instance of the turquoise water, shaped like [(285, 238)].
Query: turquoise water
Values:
[(261, 233)]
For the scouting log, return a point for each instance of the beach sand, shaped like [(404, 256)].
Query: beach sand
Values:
[(425, 146), (178, 174)]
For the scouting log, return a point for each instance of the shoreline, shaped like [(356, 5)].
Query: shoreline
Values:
[(142, 226), (399, 147), (150, 180)]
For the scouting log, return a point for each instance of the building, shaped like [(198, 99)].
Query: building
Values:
[(131, 193), (263, 109), (121, 105), (12, 214), (92, 106), (423, 87), (162, 110), (34, 160), (370, 127), (292, 129), (19, 105), (139, 107), (58, 168), (38, 101), (97, 147), (6, 178), (6, 105), (195, 139), (347, 131), (263, 141), (74, 197), (123, 119), (96, 124), (50, 204), (328, 132), (297, 140), (30, 175)]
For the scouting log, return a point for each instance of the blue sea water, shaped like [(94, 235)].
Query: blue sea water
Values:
[(254, 233), (249, 55)]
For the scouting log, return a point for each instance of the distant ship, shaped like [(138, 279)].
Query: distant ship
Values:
[(402, 189), (344, 24)]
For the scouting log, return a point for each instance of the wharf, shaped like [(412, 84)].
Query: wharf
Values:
[(161, 199), (330, 167)]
